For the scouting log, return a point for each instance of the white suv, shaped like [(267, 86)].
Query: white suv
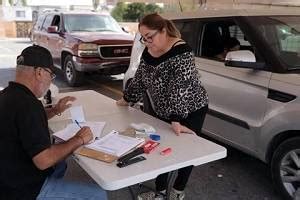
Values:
[(254, 102)]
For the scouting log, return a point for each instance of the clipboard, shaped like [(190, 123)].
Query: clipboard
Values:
[(100, 149), (98, 155)]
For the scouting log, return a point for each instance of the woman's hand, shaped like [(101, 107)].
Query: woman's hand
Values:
[(122, 102), (178, 129), (63, 104)]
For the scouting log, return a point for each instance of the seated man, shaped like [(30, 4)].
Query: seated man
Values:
[(230, 44), (31, 167)]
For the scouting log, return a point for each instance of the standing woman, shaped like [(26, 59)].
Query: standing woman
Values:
[(167, 70)]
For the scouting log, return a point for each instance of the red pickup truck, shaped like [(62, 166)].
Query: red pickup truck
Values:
[(82, 42)]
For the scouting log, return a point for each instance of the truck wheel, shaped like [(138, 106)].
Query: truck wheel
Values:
[(72, 76), (285, 168)]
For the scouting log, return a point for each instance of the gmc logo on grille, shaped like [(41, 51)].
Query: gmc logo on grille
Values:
[(121, 51)]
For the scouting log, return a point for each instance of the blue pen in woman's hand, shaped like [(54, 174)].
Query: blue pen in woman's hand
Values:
[(77, 123)]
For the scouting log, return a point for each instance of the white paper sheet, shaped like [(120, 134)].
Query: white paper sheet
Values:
[(77, 114), (72, 129), (115, 144)]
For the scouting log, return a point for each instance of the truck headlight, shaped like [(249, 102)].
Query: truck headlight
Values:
[(88, 50)]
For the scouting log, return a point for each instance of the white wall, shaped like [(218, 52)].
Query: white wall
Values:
[(62, 2), (10, 13)]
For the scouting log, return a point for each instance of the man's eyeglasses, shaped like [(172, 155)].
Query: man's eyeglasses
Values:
[(50, 72), (148, 39)]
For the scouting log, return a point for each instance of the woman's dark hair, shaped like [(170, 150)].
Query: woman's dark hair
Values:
[(156, 22)]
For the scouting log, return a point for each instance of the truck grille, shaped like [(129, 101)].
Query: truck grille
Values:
[(113, 52)]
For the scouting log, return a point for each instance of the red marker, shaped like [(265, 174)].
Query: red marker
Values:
[(166, 151)]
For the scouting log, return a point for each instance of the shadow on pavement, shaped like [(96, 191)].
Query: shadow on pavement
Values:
[(6, 75)]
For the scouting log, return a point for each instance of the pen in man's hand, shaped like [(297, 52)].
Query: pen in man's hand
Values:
[(77, 123)]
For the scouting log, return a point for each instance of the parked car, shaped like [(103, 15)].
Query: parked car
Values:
[(83, 42), (254, 102)]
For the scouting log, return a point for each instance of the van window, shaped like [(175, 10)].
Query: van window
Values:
[(220, 37), (289, 41), (189, 30), (282, 35), (236, 32)]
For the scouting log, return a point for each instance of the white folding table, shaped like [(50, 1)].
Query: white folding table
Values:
[(187, 149)]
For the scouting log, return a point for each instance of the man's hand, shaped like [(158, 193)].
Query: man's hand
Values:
[(85, 134), (56, 152), (63, 104), (122, 102), (178, 129)]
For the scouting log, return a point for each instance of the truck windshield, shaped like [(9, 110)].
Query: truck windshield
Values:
[(90, 23), (282, 34)]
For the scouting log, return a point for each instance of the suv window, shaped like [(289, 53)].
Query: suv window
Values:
[(47, 22), (39, 23), (91, 23), (56, 21)]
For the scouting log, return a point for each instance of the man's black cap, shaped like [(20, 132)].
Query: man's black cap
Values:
[(35, 56)]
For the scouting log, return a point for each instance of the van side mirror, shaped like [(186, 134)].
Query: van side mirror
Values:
[(242, 59), (52, 29), (240, 55)]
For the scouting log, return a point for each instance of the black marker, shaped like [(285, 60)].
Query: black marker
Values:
[(131, 161)]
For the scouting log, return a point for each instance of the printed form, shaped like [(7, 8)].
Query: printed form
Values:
[(115, 144)]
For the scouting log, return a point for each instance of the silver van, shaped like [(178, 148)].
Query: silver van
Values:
[(254, 92)]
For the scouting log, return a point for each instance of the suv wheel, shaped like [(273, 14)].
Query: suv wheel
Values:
[(285, 167), (72, 76)]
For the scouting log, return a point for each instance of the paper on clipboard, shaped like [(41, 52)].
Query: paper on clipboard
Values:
[(115, 144), (72, 129)]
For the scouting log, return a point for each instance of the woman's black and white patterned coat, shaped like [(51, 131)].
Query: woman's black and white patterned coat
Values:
[(172, 82)]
